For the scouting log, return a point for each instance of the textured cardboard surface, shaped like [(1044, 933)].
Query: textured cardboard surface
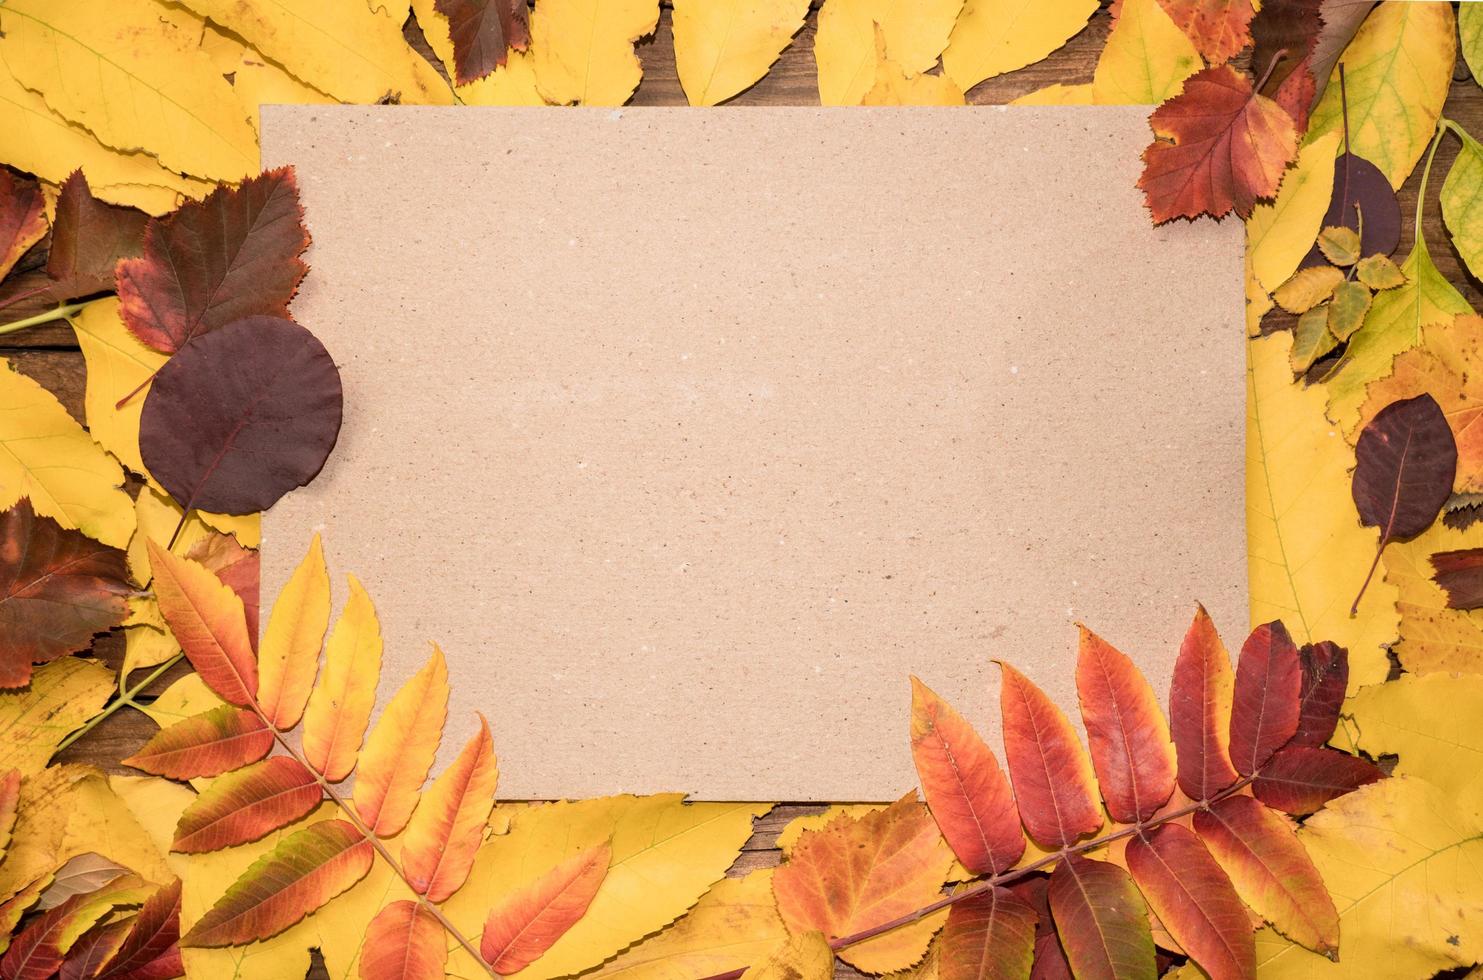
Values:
[(688, 435)]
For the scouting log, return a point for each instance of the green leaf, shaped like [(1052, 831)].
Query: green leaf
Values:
[(1462, 201)]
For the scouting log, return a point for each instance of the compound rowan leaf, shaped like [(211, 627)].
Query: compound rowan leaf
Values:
[(239, 570), (1220, 147), (89, 237), (583, 49), (289, 656), (446, 828), (1126, 732), (1301, 778), (401, 748), (483, 32), (1219, 28), (208, 744), (856, 873), (207, 620), (305, 870), (1102, 921), (1194, 900), (404, 942), (340, 705), (1379, 272), (247, 804), (151, 936), (37, 952), (1267, 697), (990, 936), (1347, 310), (1325, 668), (528, 921), (92, 948), (22, 218), (1307, 288), (1052, 778), (964, 787), (1200, 699), (722, 48)]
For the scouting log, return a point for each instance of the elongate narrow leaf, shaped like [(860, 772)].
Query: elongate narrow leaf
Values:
[(1405, 462), (1052, 777), (239, 570), (37, 952), (1299, 778), (1126, 731), (444, 833), (289, 654), (401, 749), (1050, 959), (1194, 900), (1271, 870), (207, 620), (988, 937), (247, 804), (1460, 575), (305, 870), (152, 934), (1200, 711), (22, 218), (1325, 680), (1267, 697), (207, 744), (1102, 921), (404, 942), (340, 705), (965, 789), (92, 949), (527, 922)]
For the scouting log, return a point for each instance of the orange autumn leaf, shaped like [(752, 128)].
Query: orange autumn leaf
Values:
[(207, 744), (207, 620), (965, 789), (401, 749), (1102, 921), (527, 922), (1219, 28), (990, 936), (289, 655), (446, 828), (1200, 711), (1052, 778), (247, 804), (1126, 731), (10, 794), (340, 706), (1265, 698), (1220, 147), (404, 942)]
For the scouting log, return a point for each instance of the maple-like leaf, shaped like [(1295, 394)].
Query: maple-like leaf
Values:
[(990, 936), (1126, 732), (1219, 28), (289, 653), (401, 749), (1301, 778), (1266, 700), (1200, 711), (58, 588), (526, 922), (1102, 921), (207, 620), (1052, 777), (340, 706), (247, 804), (404, 942), (1194, 900), (440, 842), (89, 238), (483, 32), (1221, 147), (207, 744), (22, 218)]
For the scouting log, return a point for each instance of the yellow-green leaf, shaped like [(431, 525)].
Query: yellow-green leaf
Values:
[(583, 49), (723, 46), (1378, 272), (1311, 339), (1431, 725), (1462, 202), (1279, 234), (1339, 244), (1146, 60), (1470, 30), (1348, 308), (992, 37), (1307, 288), (61, 696)]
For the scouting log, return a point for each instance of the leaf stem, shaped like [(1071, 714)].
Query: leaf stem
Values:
[(60, 313), (125, 697), (1426, 173)]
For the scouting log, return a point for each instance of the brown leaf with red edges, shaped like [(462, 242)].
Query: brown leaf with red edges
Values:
[(233, 255), (1200, 711), (990, 936), (58, 588), (404, 942), (1267, 697), (207, 744), (528, 921), (22, 218), (152, 935), (483, 32), (1194, 900), (1219, 28), (247, 804), (1283, 37), (1052, 777), (207, 620), (89, 238), (1102, 921), (1325, 681), (1220, 147), (1126, 732), (1300, 778), (965, 789), (1460, 575)]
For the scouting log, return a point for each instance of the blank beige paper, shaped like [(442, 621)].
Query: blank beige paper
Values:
[(689, 435)]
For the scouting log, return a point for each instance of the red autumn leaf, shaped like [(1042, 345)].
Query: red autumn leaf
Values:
[(207, 620), (1267, 697), (233, 255), (1200, 711), (1300, 778), (238, 568), (483, 32), (241, 416), (404, 942), (1194, 900), (1052, 777), (1220, 147), (990, 936), (37, 952), (1325, 679), (88, 239), (92, 950), (1050, 959), (22, 218), (207, 744), (1295, 95), (1102, 921), (58, 588), (152, 935), (1460, 575), (1126, 732), (1283, 37), (247, 804), (528, 921), (1219, 28), (965, 789), (1271, 870)]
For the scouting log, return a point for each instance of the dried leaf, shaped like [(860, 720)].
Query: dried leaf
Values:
[(247, 804), (894, 86), (1052, 777), (89, 238), (80, 875), (1347, 310), (404, 942), (1219, 28), (1307, 288), (1126, 731), (1194, 900), (1433, 637), (401, 749), (1267, 697), (1200, 700), (1361, 196), (992, 37), (61, 696), (721, 48), (1146, 58), (207, 744), (289, 656), (988, 937), (483, 32), (1284, 36), (1102, 921), (92, 948), (152, 936), (1460, 575), (1378, 272), (1280, 234), (10, 788), (1339, 244), (528, 921), (37, 952), (207, 620), (440, 843), (1462, 201), (22, 218), (1299, 778), (1325, 679), (1311, 339), (583, 49), (802, 957), (340, 705)]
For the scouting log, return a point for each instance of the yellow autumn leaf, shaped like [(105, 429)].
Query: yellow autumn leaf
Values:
[(46, 456), (1258, 301), (723, 46), (1057, 94), (845, 48), (1146, 58), (1462, 200), (62, 695), (1279, 234), (148, 642), (1431, 725), (156, 804), (257, 82), (583, 49), (288, 653), (806, 956), (893, 86), (132, 73), (513, 83), (1307, 550), (340, 705), (1433, 637), (1470, 32), (992, 37), (117, 364), (400, 749), (1397, 72)]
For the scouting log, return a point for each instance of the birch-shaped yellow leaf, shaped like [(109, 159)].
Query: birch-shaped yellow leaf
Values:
[(1279, 234), (340, 47), (1434, 638), (1470, 33), (1430, 724), (288, 656), (992, 37), (723, 46), (46, 456), (132, 72), (401, 749), (1462, 201), (1307, 550), (845, 44), (1057, 94), (583, 49), (441, 841), (1146, 58), (895, 86), (340, 705)]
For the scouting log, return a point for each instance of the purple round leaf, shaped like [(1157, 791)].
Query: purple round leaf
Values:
[(1361, 190), (1405, 461), (242, 415)]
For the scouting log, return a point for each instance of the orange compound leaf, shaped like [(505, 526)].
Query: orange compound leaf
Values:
[(444, 833), (528, 922), (1052, 777), (1300, 778), (208, 622), (340, 707), (151, 936), (1220, 146), (1200, 711), (245, 805), (1271, 870), (305, 870), (1194, 900), (1325, 679), (1102, 921), (1266, 700), (966, 790), (208, 744), (404, 942), (988, 937), (1218, 28), (289, 656), (401, 749), (857, 873), (1126, 731)]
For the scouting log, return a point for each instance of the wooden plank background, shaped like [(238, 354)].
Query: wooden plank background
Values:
[(49, 353)]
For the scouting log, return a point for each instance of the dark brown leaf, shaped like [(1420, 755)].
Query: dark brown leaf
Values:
[(241, 416), (1284, 34), (1341, 19), (1325, 679), (1460, 574), (1360, 188), (88, 240), (483, 32), (22, 218), (1300, 778)]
